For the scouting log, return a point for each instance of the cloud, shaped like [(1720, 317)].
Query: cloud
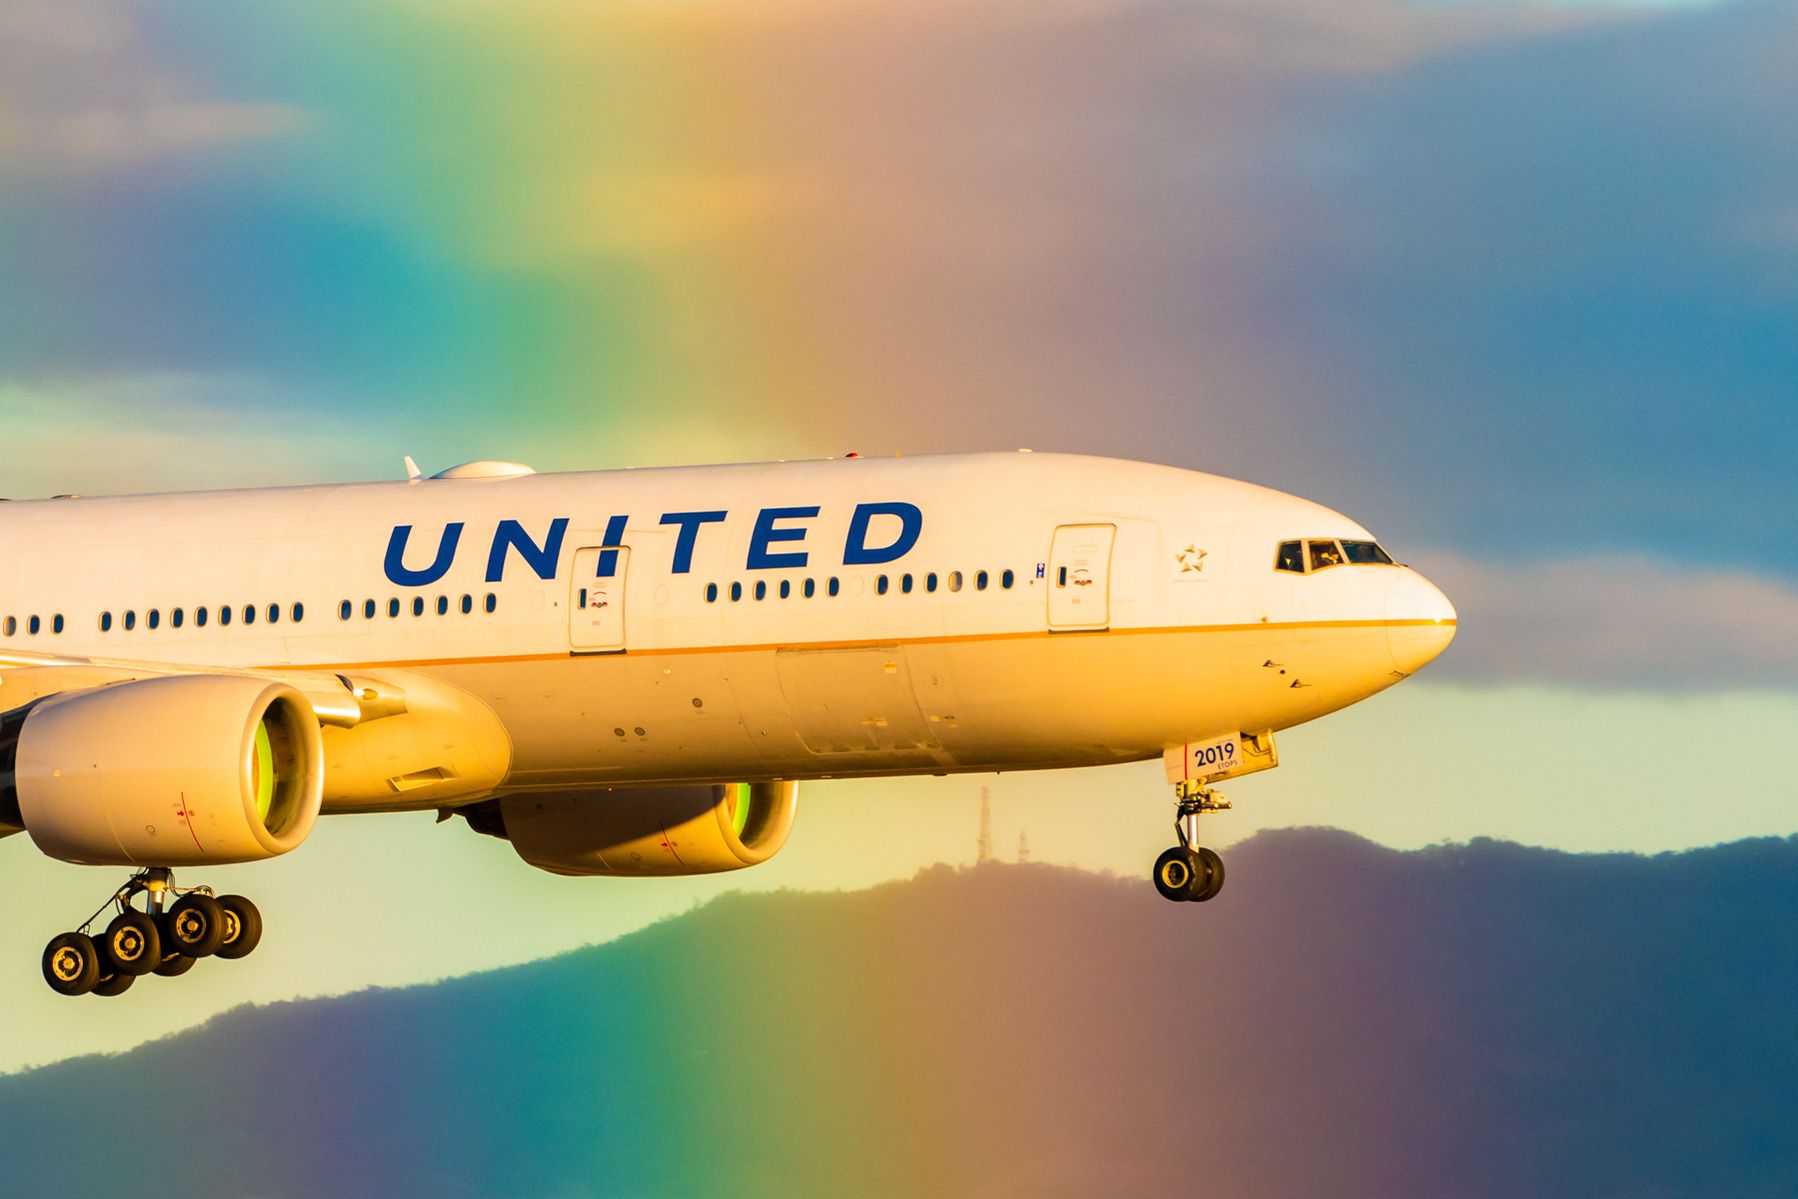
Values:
[(1617, 621), (82, 88)]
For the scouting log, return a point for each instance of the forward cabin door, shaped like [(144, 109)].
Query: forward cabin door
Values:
[(1080, 577), (596, 601)]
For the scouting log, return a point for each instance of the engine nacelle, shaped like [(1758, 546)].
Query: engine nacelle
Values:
[(181, 771), (645, 830)]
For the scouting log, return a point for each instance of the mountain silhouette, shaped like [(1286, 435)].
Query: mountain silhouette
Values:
[(1345, 1020)]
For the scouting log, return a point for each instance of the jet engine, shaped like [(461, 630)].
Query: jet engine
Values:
[(180, 771), (644, 830)]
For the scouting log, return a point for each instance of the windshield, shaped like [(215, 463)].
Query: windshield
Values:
[(1365, 553), (1321, 553)]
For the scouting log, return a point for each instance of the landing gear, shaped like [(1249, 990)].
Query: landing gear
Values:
[(162, 938), (1190, 872)]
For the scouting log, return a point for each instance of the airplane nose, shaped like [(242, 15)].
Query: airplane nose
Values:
[(1420, 622)]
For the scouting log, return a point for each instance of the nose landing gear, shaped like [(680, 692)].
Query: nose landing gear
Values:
[(1190, 872), (162, 938)]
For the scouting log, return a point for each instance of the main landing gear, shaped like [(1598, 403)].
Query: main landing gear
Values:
[(1189, 872), (177, 927)]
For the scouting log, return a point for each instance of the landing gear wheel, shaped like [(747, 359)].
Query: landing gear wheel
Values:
[(131, 946), (1174, 873), (242, 927), (1211, 869), (115, 984), (175, 965), (72, 964), (194, 927)]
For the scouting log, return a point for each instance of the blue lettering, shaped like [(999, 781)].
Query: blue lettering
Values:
[(541, 559), (395, 564), (608, 558), (765, 534), (689, 523), (857, 551)]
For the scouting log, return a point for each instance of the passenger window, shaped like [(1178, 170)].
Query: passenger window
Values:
[(492, 602), (443, 605), (418, 605), (56, 623), (176, 619), (930, 581), (711, 593), (955, 580), (1290, 556), (1007, 579), (736, 592), (833, 585), (224, 615), (880, 585), (200, 618), (786, 588), (105, 623), (154, 619), (980, 581), (368, 609), (249, 613), (33, 626), (345, 610), (298, 613), (761, 589), (467, 604), (130, 621), (811, 588), (12, 625), (274, 613), (1325, 554), (905, 583), (393, 608)]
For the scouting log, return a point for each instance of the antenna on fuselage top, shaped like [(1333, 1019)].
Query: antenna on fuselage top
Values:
[(413, 474)]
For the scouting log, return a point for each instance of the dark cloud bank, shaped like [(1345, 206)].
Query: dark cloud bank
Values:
[(1345, 1020)]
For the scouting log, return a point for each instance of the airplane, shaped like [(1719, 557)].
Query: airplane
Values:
[(630, 672)]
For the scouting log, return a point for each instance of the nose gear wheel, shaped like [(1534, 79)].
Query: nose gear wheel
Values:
[(1190, 872)]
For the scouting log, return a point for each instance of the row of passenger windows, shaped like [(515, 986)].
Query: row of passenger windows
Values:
[(370, 608), (33, 625), (249, 614), (808, 588), (178, 617), (1301, 557)]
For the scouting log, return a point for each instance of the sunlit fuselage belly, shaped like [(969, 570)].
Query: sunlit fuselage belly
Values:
[(1025, 700)]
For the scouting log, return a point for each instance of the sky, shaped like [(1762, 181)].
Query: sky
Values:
[(1512, 284)]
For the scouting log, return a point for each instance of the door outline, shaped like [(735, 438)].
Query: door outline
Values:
[(596, 611), (1079, 577)]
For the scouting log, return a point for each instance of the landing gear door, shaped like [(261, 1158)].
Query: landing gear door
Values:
[(596, 600), (1080, 577)]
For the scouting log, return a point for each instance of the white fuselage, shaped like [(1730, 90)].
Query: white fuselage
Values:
[(705, 624)]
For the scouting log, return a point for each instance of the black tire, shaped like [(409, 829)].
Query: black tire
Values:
[(194, 926), (175, 965), (72, 964), (115, 984), (1211, 868), (1174, 874), (132, 945), (242, 940)]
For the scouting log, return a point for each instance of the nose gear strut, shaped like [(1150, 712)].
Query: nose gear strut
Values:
[(175, 927), (1189, 872)]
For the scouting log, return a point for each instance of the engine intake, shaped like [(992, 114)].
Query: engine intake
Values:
[(181, 771), (645, 830)]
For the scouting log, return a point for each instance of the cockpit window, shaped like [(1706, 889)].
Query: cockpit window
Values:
[(1324, 554), (1291, 556), (1366, 553)]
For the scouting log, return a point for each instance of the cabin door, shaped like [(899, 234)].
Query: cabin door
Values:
[(596, 600), (1080, 577)]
